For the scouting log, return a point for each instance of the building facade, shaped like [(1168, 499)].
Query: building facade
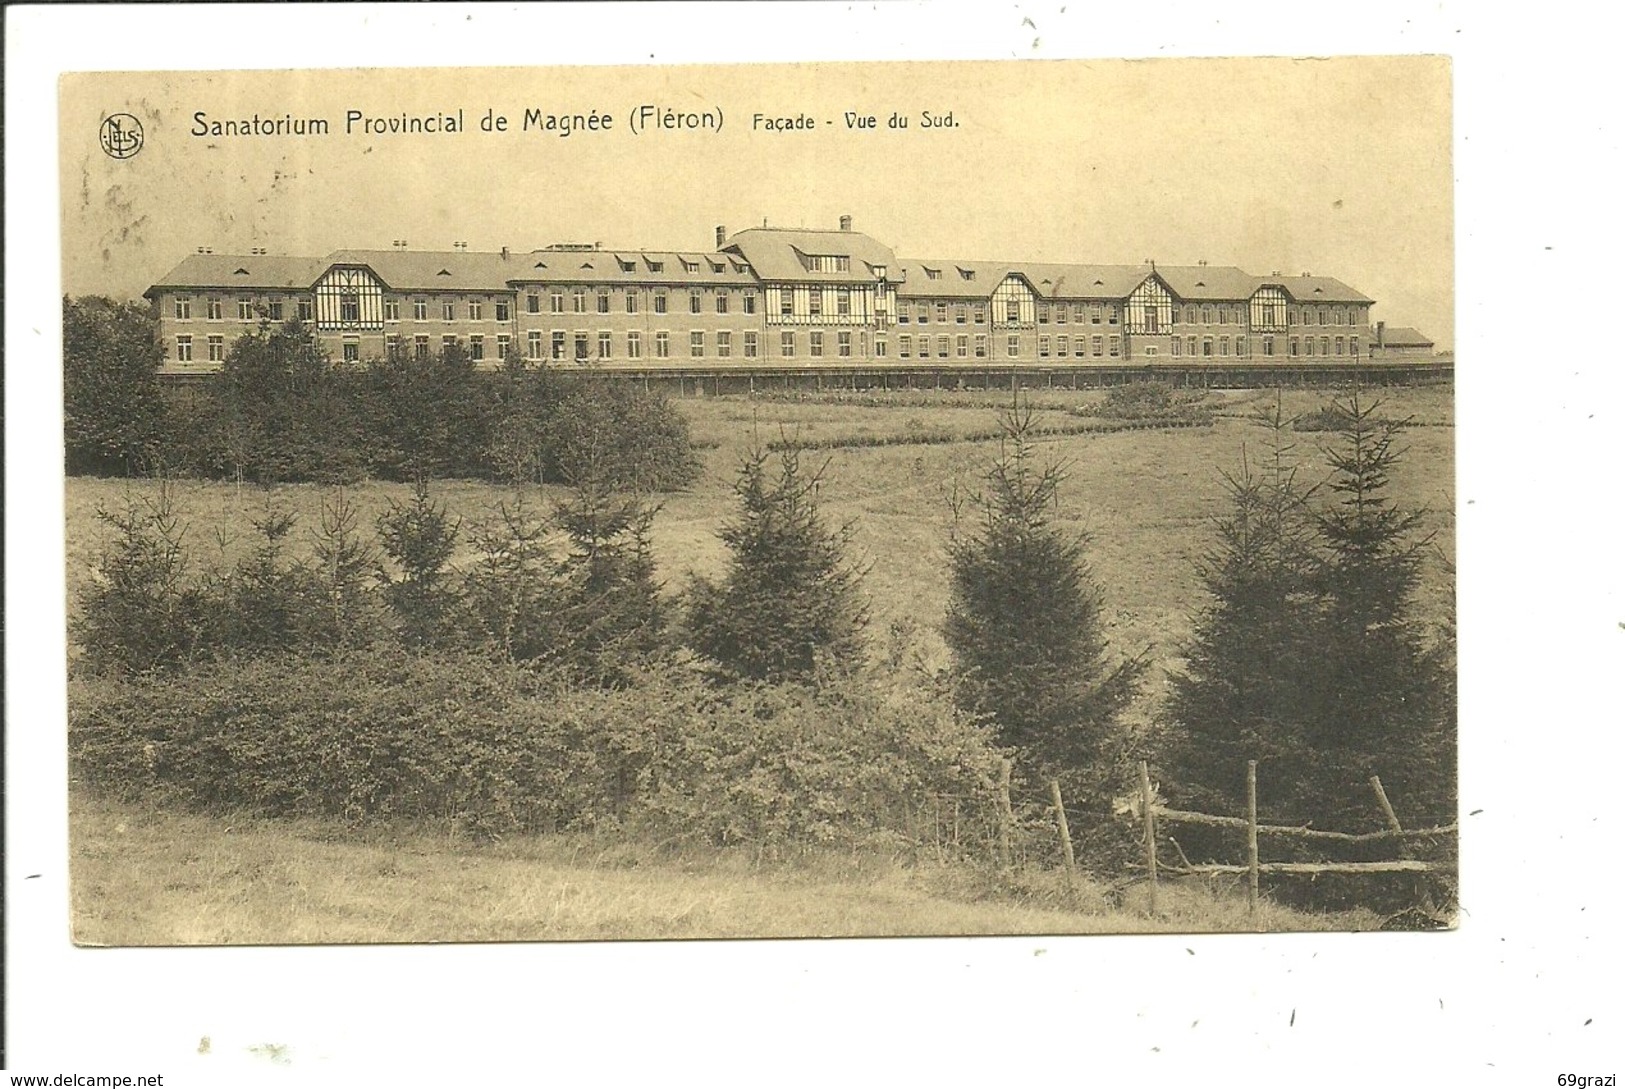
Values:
[(763, 298)]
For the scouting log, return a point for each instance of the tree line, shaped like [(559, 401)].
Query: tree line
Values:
[(278, 411)]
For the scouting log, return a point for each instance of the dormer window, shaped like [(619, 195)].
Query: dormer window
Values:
[(627, 266), (690, 266), (967, 274), (828, 262), (656, 266), (932, 273)]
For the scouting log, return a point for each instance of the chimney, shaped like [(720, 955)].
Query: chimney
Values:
[(504, 253), (846, 223), (1380, 326), (722, 236)]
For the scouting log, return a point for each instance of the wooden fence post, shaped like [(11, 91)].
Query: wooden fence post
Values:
[(1252, 838), (1387, 810), (1066, 832), (1150, 835), (1419, 888), (1006, 816)]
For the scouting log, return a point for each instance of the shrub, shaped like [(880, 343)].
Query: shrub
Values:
[(1150, 401), (790, 603), (420, 538), (618, 434), (386, 734)]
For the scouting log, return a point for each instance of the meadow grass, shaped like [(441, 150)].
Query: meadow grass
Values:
[(147, 877), (1147, 500)]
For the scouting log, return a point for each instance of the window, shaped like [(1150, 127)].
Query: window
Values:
[(447, 344), (581, 347), (1207, 346), (722, 300), (979, 315), (787, 344), (392, 347), (603, 300), (942, 312), (351, 351), (503, 341), (1043, 316), (696, 345), (578, 300), (245, 310), (349, 307), (752, 348), (501, 309), (1325, 345), (694, 301), (476, 310), (815, 344), (1241, 345), (1323, 320), (660, 301), (1224, 345), (1308, 345), (1177, 344), (605, 344), (555, 300), (1190, 346), (961, 346), (843, 345), (634, 345), (533, 344), (843, 301), (786, 302), (725, 345), (533, 304), (981, 345), (476, 348), (967, 273), (1098, 344), (420, 309), (1094, 316), (420, 348), (1292, 346), (274, 310), (213, 311), (1354, 345), (942, 347), (1062, 346), (1012, 310), (1012, 345), (392, 310), (217, 349), (448, 310), (959, 315), (815, 302), (183, 349), (662, 345), (559, 345), (922, 313), (1269, 346), (1043, 348), (1116, 346), (749, 302), (1060, 313), (631, 300), (183, 309), (905, 346), (880, 347)]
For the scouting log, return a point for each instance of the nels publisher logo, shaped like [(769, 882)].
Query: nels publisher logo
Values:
[(122, 136)]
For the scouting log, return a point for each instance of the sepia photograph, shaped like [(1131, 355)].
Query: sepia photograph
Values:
[(739, 502), (910, 543)]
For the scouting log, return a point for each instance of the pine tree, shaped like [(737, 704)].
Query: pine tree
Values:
[(790, 604), (112, 409), (420, 537), (1380, 696), (1241, 694), (1024, 621)]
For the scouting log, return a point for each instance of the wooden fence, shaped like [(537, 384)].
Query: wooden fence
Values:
[(1151, 812)]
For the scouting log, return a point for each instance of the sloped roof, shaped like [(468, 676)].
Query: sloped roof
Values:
[(1403, 336), (1308, 289), (1050, 281), (606, 267), (1199, 283), (223, 271), (775, 254), (431, 270)]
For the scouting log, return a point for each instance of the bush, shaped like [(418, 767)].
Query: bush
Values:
[(1150, 401), (494, 747), (112, 409)]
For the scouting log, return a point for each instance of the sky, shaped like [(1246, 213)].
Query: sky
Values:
[(1335, 166)]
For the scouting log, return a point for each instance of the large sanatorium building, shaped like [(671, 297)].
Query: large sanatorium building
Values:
[(764, 298)]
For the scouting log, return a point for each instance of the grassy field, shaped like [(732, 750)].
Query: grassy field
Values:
[(1147, 500), (142, 877)]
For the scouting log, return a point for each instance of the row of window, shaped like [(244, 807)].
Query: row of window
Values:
[(247, 310), (602, 301), (976, 313), (1081, 346), (1305, 315), (1209, 346)]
